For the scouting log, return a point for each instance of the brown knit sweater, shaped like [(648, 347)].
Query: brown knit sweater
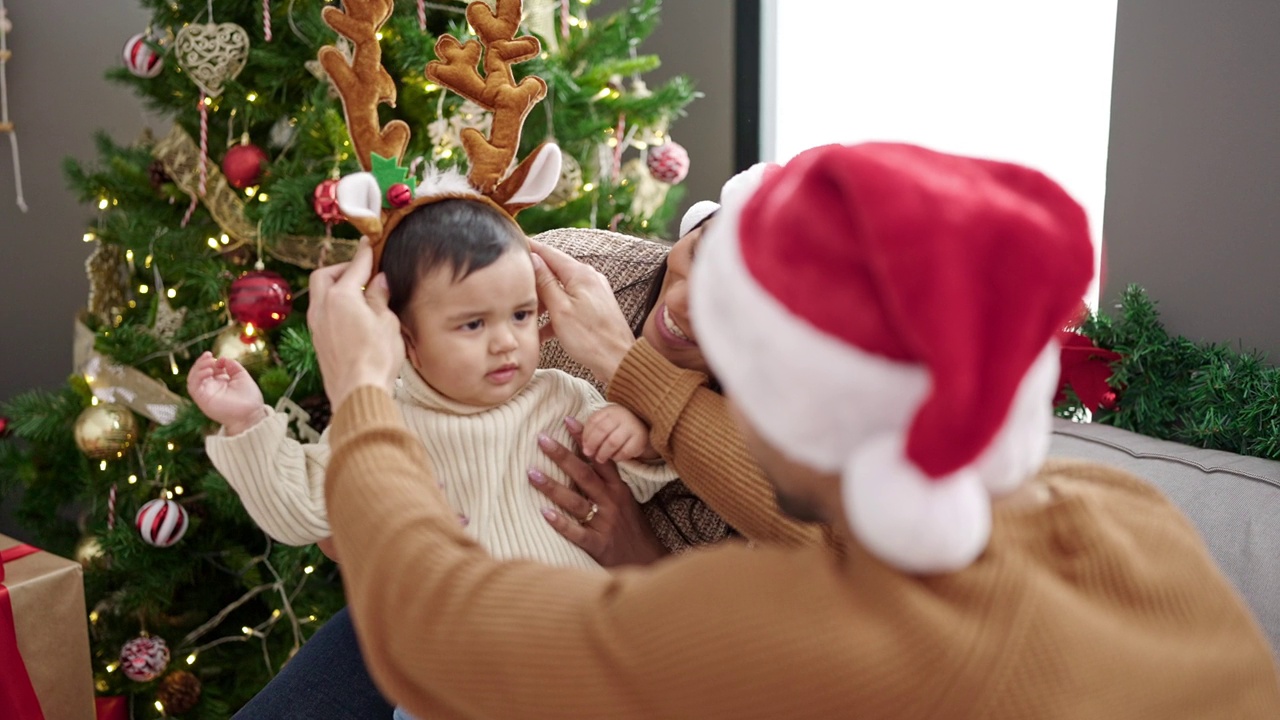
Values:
[(1101, 604)]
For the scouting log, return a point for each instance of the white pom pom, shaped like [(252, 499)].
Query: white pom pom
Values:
[(908, 520)]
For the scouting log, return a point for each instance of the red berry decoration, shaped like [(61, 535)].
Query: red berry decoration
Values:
[(141, 58), (144, 658), (669, 162), (161, 523), (262, 298), (326, 202), (243, 165), (399, 195)]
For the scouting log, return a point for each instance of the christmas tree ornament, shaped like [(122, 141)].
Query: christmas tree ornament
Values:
[(144, 658), (648, 194), (243, 164), (325, 202), (282, 132), (157, 175), (234, 343), (142, 57), (167, 321), (669, 162), (262, 298), (179, 692), (104, 431), (4, 427), (266, 20), (569, 188), (108, 271), (212, 54), (161, 522), (88, 551)]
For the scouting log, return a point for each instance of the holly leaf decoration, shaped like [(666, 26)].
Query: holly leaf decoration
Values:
[(387, 172)]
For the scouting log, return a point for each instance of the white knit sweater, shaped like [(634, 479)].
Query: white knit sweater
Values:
[(481, 457)]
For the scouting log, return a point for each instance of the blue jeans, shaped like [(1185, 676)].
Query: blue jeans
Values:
[(326, 679)]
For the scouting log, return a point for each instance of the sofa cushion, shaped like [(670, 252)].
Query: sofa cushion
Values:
[(1233, 500)]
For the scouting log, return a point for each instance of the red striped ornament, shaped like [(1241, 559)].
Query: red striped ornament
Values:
[(161, 522), (141, 58), (262, 298)]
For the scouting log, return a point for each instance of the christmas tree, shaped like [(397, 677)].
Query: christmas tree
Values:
[(203, 240)]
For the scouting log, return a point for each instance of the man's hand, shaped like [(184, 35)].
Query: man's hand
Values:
[(226, 393), (357, 338)]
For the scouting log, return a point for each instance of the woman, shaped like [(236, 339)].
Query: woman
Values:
[(327, 678)]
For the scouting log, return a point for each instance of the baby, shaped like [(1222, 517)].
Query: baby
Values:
[(462, 283)]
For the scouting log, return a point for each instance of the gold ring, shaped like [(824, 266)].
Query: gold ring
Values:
[(590, 514)]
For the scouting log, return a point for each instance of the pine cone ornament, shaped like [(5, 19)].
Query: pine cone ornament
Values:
[(317, 406), (179, 692)]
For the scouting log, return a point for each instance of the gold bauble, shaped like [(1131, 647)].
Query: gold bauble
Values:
[(249, 350), (104, 431), (88, 550)]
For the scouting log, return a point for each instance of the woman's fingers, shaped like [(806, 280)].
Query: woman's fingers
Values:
[(582, 474), (571, 531), (561, 495)]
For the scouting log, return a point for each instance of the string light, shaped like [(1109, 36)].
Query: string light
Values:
[(168, 494), (112, 667), (208, 102), (574, 21), (172, 292), (133, 479), (604, 93), (252, 96), (588, 187), (143, 289), (133, 304), (90, 237), (102, 466), (275, 613), (431, 87), (379, 34), (246, 630), (128, 255), (213, 243), (169, 446), (102, 204), (309, 569), (263, 197), (173, 368), (191, 659), (177, 490), (225, 240), (160, 707), (251, 191), (93, 616), (93, 400)]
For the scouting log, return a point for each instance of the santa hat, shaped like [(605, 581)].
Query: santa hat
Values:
[(696, 215), (889, 313)]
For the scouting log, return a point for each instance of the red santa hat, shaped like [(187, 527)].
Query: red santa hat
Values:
[(889, 313)]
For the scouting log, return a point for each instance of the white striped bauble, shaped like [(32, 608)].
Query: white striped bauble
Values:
[(141, 58), (161, 522)]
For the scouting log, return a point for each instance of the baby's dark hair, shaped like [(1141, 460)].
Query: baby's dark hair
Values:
[(462, 235)]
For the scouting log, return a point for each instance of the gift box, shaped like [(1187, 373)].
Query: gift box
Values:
[(45, 672)]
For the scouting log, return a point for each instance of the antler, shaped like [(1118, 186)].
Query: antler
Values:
[(364, 83), (496, 91)]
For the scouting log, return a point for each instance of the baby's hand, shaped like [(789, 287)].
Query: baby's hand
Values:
[(613, 433), (226, 393)]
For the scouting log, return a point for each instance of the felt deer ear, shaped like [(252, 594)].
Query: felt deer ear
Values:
[(374, 201)]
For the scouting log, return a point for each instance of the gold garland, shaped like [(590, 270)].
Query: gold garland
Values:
[(115, 383), (180, 155)]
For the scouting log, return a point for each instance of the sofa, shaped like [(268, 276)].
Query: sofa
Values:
[(1233, 500)]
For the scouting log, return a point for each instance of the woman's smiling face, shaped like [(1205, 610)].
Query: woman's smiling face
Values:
[(668, 328)]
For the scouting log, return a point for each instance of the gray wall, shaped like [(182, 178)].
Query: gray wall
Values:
[(1193, 174), (57, 99)]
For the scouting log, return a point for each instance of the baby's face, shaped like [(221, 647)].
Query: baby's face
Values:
[(476, 340)]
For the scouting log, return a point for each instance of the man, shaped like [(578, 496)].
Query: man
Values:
[(883, 317)]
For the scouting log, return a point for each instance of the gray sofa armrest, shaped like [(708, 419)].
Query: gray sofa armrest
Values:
[(1233, 500)]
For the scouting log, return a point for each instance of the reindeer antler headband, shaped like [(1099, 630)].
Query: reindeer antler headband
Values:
[(376, 200)]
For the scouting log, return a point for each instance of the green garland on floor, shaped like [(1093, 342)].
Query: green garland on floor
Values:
[(1205, 395)]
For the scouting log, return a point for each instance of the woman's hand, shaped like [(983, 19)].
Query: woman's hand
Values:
[(584, 313), (357, 338), (604, 520)]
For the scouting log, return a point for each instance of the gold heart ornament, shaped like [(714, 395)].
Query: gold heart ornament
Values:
[(212, 54)]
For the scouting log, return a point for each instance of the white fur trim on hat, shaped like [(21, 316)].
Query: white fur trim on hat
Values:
[(447, 181), (696, 213), (913, 522)]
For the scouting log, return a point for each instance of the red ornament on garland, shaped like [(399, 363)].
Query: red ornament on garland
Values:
[(669, 162), (325, 202), (262, 298), (1086, 369), (141, 58), (399, 195), (161, 523), (243, 165)]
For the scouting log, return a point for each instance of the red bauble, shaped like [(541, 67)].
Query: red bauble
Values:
[(262, 298), (4, 426), (141, 57), (669, 162), (326, 202), (243, 165), (399, 195)]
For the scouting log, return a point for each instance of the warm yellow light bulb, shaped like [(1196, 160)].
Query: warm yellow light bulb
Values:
[(251, 96), (308, 569), (588, 187), (191, 659), (177, 490), (133, 479), (171, 293), (102, 204), (90, 237), (143, 289), (213, 243)]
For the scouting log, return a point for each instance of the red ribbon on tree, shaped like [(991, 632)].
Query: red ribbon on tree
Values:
[(16, 691), (1086, 368)]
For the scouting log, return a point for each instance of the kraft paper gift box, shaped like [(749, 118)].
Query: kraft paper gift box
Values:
[(45, 671)]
